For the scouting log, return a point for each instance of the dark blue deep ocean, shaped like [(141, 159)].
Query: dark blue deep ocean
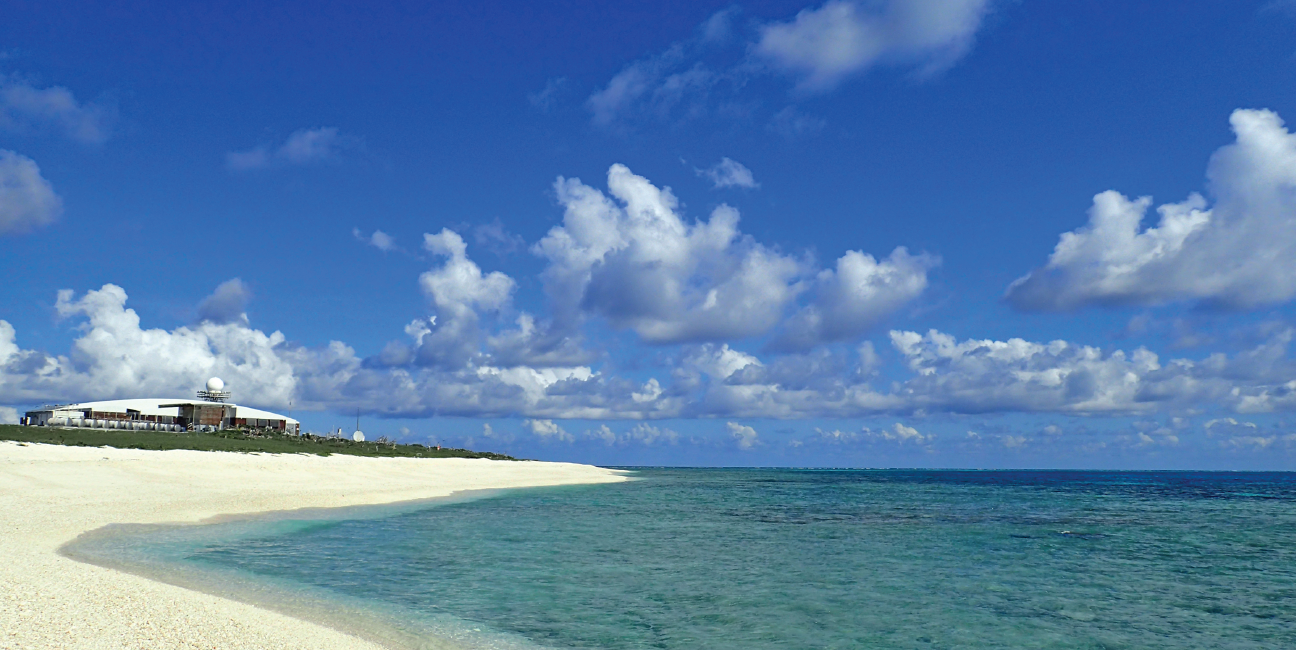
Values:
[(753, 559)]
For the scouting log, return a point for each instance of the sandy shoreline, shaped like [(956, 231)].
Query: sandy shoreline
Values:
[(50, 494)]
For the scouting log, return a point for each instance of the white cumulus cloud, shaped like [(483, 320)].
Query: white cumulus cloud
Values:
[(648, 434), (1228, 424), (26, 108), (987, 375), (603, 433), (227, 303), (636, 262), (632, 259), (458, 291), (718, 362), (899, 433), (1234, 434), (115, 358), (27, 200), (745, 436), (379, 239), (840, 38), (833, 437), (1147, 433), (460, 283), (857, 294), (1014, 442), (729, 173), (547, 430), (709, 74), (1238, 253), (641, 433)]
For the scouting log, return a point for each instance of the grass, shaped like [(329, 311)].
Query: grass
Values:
[(237, 441)]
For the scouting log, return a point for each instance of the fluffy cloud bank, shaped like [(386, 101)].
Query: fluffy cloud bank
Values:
[(632, 259), (1016, 375), (114, 356), (27, 200), (1238, 253), (702, 291)]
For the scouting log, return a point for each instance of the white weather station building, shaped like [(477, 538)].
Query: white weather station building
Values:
[(211, 411)]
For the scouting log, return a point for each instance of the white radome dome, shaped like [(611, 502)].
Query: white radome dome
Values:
[(215, 385), (358, 436)]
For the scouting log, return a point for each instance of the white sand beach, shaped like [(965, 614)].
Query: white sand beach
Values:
[(50, 494)]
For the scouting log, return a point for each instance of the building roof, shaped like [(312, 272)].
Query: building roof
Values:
[(153, 406)]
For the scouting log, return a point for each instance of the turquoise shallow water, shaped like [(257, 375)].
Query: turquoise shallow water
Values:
[(754, 559)]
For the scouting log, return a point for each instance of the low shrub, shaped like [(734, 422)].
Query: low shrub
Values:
[(230, 440)]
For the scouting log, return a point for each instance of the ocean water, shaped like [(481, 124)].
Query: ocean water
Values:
[(756, 559)]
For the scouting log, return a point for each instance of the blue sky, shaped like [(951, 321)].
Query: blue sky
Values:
[(891, 233)]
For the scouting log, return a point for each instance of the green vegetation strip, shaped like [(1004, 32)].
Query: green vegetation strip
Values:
[(229, 441)]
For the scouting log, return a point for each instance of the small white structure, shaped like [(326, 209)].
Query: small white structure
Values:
[(215, 391), (358, 436)]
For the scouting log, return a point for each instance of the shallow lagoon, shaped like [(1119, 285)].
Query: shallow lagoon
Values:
[(752, 559)]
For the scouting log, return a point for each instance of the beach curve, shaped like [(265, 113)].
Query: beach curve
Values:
[(50, 495)]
